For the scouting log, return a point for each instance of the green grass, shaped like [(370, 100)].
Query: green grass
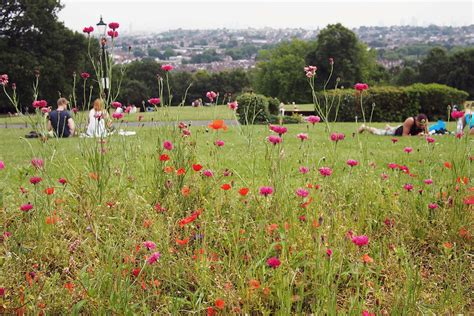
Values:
[(93, 246)]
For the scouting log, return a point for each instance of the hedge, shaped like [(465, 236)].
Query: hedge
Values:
[(395, 104)]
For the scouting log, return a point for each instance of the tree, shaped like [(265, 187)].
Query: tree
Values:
[(32, 40), (352, 62), (460, 71), (434, 67)]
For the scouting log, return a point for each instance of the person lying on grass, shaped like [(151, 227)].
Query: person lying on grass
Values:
[(414, 125)]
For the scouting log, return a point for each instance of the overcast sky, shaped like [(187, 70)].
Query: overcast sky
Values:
[(159, 15)]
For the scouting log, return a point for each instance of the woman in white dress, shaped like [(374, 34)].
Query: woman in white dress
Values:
[(97, 120)]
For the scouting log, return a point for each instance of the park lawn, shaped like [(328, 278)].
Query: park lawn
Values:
[(84, 243)]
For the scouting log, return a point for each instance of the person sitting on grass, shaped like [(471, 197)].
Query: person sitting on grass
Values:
[(97, 119), (415, 125), (60, 121)]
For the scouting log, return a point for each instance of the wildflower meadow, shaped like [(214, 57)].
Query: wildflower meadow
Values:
[(221, 218)]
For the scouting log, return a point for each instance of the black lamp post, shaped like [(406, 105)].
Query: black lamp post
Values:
[(102, 27)]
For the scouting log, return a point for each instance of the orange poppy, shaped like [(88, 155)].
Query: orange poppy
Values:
[(185, 190), (447, 245), (93, 176), (367, 259), (190, 219), (51, 220), (168, 169), (448, 165), (464, 180), (217, 125), (180, 171), (69, 286), (254, 284), (464, 233), (220, 304), (147, 223), (182, 242)]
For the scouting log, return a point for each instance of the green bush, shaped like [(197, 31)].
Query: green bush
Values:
[(294, 119), (273, 105), (395, 104), (253, 108)]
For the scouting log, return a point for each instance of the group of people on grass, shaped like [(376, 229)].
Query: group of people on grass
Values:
[(61, 123)]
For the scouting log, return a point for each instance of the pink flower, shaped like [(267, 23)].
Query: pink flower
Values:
[(186, 132), (266, 191), (384, 176), (430, 140), (211, 95), (4, 79), (325, 171), (352, 162), (273, 262), (117, 116), (112, 33), (304, 170), (154, 101), (88, 29), (366, 313), (302, 192), (280, 130), (408, 150), (2, 165), (428, 181), (62, 181), (167, 145), (408, 187), (167, 67), (208, 173), (26, 207), (35, 180), (114, 25), (334, 137), (313, 119), (116, 104), (331, 61), (392, 165), (432, 206), (274, 139), (219, 143), (37, 163), (150, 245), (75, 110), (457, 114), (361, 87), (85, 75), (153, 258), (233, 105), (459, 135), (310, 71), (40, 104), (360, 240), (340, 136), (302, 136), (329, 252)]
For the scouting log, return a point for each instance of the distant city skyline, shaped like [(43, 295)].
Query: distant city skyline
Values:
[(156, 16)]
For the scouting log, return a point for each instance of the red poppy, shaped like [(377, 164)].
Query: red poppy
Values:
[(69, 286), (226, 187), (244, 191), (469, 200), (220, 304), (164, 157), (197, 167), (211, 311), (49, 191), (180, 171), (182, 242), (448, 165), (190, 219), (217, 125)]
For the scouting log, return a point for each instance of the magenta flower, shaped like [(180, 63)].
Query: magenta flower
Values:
[(266, 191), (430, 140), (384, 176), (40, 104), (310, 71), (334, 137), (408, 187), (35, 180), (273, 262), (88, 29), (2, 165), (114, 25), (62, 181), (150, 245), (154, 101), (432, 206), (112, 33), (457, 114), (360, 240), (304, 170), (4, 79), (352, 162), (85, 75), (274, 139), (219, 143), (459, 135), (408, 150), (37, 163), (167, 67), (233, 105), (361, 87), (428, 181), (302, 136), (341, 136), (26, 207), (116, 104), (302, 192), (208, 173), (280, 130), (329, 252), (325, 171), (153, 258), (313, 119), (117, 116), (167, 145), (211, 95)]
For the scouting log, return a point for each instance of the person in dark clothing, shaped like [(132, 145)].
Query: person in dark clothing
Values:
[(415, 125), (60, 120)]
